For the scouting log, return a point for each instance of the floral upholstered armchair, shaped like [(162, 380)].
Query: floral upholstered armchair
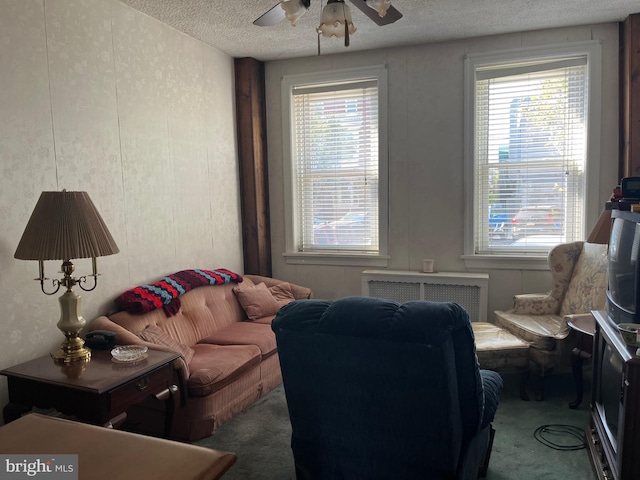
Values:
[(579, 275)]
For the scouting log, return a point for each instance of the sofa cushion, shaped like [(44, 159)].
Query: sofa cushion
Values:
[(257, 301), (540, 331), (588, 286), (264, 320), (245, 333), (213, 367), (153, 334)]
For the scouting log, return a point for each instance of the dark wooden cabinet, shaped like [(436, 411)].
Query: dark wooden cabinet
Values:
[(98, 392), (613, 434)]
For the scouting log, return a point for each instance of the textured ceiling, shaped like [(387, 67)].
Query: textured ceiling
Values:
[(228, 24)]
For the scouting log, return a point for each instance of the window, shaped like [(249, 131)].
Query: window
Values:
[(335, 148), (532, 127)]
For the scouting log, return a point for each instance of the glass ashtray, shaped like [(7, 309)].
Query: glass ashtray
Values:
[(129, 353), (628, 331)]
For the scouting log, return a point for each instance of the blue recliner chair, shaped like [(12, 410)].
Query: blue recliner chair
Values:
[(379, 390)]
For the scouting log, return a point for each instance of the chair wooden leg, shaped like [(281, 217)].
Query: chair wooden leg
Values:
[(482, 472), (540, 383), (540, 388), (524, 378)]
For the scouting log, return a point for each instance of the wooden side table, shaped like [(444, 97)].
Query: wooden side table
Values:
[(98, 392), (584, 327)]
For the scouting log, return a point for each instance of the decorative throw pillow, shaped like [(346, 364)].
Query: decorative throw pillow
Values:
[(282, 293), (153, 334), (257, 301)]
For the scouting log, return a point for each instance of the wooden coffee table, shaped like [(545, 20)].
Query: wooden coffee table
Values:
[(106, 454), (98, 392)]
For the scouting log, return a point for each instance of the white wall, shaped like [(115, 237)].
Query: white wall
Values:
[(96, 96), (426, 155)]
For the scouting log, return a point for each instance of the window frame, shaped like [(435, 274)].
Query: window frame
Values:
[(343, 258), (592, 50)]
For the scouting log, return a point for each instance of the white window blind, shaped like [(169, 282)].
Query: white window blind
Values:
[(335, 166), (530, 154)]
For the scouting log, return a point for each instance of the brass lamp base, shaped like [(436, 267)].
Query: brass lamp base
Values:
[(70, 323), (72, 350)]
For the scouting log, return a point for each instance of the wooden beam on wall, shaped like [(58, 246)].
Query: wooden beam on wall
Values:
[(252, 153), (630, 97)]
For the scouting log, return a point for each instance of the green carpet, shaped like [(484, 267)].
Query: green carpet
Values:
[(260, 437)]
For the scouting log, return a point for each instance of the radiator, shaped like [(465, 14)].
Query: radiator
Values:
[(469, 290)]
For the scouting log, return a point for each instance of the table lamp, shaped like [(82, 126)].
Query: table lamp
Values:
[(64, 226), (602, 229)]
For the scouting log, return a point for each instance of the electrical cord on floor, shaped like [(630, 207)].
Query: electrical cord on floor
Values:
[(544, 434)]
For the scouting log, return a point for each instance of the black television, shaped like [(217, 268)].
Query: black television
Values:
[(613, 436), (609, 378), (623, 292)]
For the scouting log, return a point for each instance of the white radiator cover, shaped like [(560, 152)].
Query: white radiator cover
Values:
[(469, 290)]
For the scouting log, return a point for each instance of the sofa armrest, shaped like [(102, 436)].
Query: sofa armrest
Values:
[(535, 304), (125, 337), (299, 292)]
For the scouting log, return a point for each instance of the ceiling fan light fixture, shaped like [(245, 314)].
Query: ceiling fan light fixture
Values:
[(380, 6), (336, 20), (294, 9)]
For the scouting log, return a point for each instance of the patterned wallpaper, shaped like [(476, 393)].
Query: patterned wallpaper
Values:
[(98, 97)]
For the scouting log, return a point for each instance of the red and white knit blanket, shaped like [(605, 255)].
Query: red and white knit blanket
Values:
[(166, 293)]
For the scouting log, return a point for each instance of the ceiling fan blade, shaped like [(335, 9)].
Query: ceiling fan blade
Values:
[(271, 17), (393, 15)]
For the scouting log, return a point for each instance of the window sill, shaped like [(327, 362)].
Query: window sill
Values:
[(506, 262), (339, 259)]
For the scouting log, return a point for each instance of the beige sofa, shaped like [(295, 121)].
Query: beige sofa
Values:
[(230, 360)]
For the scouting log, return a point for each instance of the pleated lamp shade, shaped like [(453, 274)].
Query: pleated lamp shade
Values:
[(63, 226)]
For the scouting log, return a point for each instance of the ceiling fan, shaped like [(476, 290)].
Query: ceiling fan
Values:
[(336, 16)]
